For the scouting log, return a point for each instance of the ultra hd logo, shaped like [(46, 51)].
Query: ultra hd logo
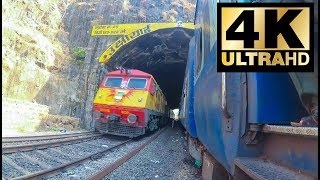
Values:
[(265, 37)]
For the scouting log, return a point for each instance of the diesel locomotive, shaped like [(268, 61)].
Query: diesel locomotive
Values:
[(242, 125), (129, 103)]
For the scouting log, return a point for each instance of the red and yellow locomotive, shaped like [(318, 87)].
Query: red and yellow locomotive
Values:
[(129, 103)]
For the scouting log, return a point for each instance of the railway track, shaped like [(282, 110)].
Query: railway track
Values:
[(112, 147), (116, 164), (43, 137), (42, 145), (53, 170)]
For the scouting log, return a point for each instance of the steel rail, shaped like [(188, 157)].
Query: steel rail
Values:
[(43, 137), (122, 160), (30, 147), (62, 167)]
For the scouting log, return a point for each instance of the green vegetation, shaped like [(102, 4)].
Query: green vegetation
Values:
[(78, 55)]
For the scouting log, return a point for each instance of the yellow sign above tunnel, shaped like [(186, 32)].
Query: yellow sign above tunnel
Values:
[(123, 29), (129, 32)]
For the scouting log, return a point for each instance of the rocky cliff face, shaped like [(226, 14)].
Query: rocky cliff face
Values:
[(30, 50), (68, 84)]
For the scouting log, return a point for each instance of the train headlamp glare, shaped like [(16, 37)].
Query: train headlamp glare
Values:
[(118, 98), (132, 118)]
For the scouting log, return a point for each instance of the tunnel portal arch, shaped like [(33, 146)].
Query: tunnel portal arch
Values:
[(161, 52), (129, 33)]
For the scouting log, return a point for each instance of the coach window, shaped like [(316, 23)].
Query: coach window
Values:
[(184, 102), (199, 52), (198, 38), (113, 82), (207, 26), (213, 24)]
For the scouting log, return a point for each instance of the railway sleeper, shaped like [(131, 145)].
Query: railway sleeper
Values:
[(96, 156)]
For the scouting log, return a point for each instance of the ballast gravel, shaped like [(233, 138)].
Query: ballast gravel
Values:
[(45, 157), (9, 172), (165, 158), (59, 155), (55, 156), (99, 162), (24, 163)]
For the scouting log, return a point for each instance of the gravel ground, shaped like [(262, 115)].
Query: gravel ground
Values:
[(69, 153), (93, 166), (165, 158), (58, 154), (77, 151), (20, 161), (9, 172), (45, 156)]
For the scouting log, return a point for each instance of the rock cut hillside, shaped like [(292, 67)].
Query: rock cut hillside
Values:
[(49, 56)]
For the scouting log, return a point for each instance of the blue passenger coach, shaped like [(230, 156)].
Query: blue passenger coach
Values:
[(241, 121), (186, 112)]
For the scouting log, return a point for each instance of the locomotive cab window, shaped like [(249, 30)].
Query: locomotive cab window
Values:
[(113, 82), (137, 83)]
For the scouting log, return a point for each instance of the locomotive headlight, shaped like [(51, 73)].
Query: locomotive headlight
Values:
[(118, 98), (113, 117), (132, 118), (140, 99)]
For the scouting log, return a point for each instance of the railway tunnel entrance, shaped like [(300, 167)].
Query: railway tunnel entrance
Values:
[(162, 53)]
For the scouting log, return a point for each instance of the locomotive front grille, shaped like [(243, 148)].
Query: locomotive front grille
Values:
[(116, 128)]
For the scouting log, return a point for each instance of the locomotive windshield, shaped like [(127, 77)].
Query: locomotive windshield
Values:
[(137, 83), (113, 82)]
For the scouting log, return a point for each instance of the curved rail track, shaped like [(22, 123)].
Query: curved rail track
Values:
[(122, 160), (54, 170), (41, 145), (43, 137)]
